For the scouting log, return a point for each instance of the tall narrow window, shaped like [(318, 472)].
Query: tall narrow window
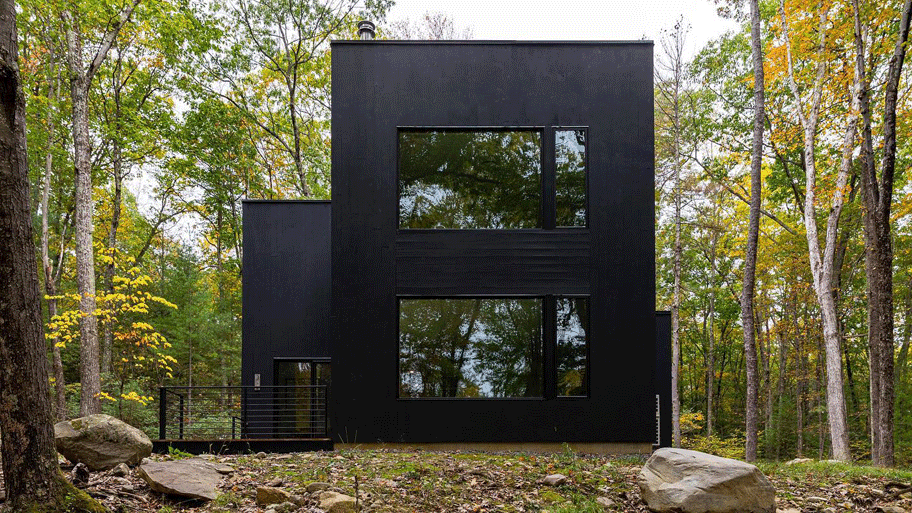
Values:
[(471, 348), (572, 352), (570, 177), (470, 179)]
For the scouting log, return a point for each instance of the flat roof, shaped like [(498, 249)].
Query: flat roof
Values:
[(487, 42)]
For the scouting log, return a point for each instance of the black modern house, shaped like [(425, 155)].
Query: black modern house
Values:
[(485, 271)]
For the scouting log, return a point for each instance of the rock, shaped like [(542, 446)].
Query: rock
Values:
[(192, 478), (275, 483), (101, 442), (679, 480), (891, 509), (282, 507), (260, 455), (318, 487), (121, 470), (798, 460), (788, 510), (221, 468), (606, 503), (122, 481), (266, 495), (80, 475), (333, 502), (554, 480)]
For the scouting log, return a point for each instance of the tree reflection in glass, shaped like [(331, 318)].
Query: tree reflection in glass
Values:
[(570, 177), (477, 179), (572, 351), (471, 348)]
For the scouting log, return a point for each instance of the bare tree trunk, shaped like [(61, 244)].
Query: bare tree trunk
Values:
[(822, 262), (750, 253), (780, 391), (89, 378), (674, 48), (878, 198), (821, 431), (50, 278), (117, 161), (30, 472), (80, 84), (710, 360), (799, 402)]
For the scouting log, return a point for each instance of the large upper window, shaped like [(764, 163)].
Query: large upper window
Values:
[(471, 348), (470, 179)]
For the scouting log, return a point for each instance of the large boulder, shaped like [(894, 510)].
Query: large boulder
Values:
[(101, 442), (194, 478), (682, 481)]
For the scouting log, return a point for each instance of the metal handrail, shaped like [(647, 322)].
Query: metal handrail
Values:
[(243, 412)]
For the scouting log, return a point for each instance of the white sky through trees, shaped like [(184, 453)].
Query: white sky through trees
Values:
[(573, 19)]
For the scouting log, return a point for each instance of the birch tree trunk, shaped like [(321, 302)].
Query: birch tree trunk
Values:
[(750, 253), (821, 261)]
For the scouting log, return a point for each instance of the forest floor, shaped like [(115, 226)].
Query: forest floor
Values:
[(455, 481)]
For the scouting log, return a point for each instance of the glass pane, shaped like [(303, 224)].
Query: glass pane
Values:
[(294, 408), (570, 178), (291, 373), (479, 348), (470, 179), (572, 351)]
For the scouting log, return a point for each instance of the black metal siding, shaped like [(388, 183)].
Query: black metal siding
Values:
[(663, 375), (607, 87), (286, 284)]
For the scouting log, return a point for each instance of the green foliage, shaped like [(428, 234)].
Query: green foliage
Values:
[(178, 454)]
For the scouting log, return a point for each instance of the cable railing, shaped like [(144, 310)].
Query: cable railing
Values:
[(238, 413)]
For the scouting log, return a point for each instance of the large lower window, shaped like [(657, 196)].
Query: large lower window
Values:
[(471, 348), (470, 179)]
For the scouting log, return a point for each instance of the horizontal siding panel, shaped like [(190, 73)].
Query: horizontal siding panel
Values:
[(490, 262)]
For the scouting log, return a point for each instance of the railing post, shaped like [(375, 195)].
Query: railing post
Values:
[(244, 412), (325, 411), (162, 412), (180, 417)]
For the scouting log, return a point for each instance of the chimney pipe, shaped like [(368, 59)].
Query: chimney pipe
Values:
[(366, 29)]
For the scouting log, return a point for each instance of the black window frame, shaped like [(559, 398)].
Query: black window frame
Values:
[(549, 341), (547, 215)]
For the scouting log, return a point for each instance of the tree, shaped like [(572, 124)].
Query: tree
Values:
[(80, 84), (878, 199), (822, 261), (30, 470), (753, 233), (670, 88), (273, 67)]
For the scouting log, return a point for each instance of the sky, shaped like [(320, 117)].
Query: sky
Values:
[(574, 19)]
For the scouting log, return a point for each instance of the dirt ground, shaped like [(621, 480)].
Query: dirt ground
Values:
[(455, 481)]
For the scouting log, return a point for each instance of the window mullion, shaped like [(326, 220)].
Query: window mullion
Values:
[(549, 305), (548, 179)]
